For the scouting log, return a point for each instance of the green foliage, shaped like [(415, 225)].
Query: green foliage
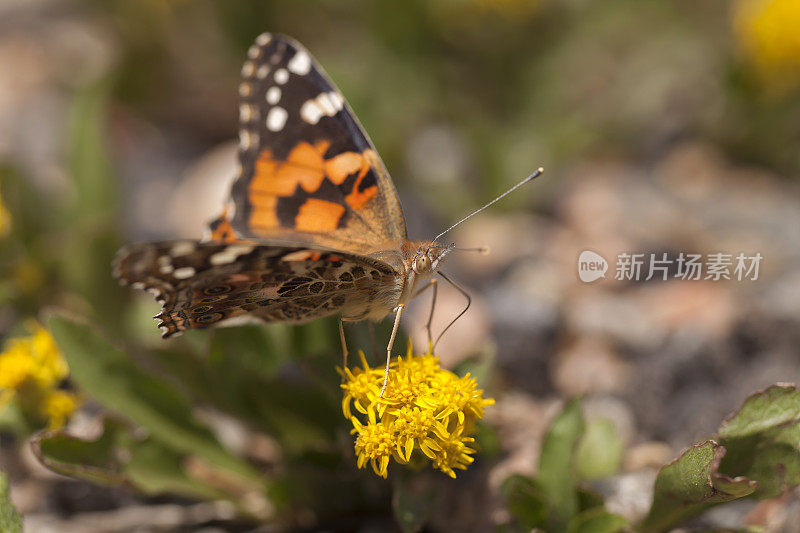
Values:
[(597, 520), (10, 518), (413, 501), (557, 475), (118, 456), (526, 501), (92, 209), (758, 455), (110, 377), (152, 440), (691, 484), (763, 440), (555, 500), (599, 452)]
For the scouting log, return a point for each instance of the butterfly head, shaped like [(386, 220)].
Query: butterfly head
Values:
[(429, 257)]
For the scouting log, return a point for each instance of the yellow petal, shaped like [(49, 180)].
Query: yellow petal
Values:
[(409, 448)]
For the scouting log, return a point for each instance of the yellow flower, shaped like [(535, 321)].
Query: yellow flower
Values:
[(375, 444), (768, 32), (57, 407), (31, 369), (16, 365), (424, 408)]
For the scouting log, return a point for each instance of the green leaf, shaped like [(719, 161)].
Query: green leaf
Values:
[(107, 374), (413, 501), (525, 501), (588, 498), (557, 473), (118, 457), (10, 518), (13, 420), (763, 411), (487, 439), (299, 412), (599, 452), (96, 461), (691, 484), (248, 349), (763, 440), (597, 520), (92, 240)]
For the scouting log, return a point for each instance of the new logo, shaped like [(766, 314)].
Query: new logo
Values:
[(591, 266)]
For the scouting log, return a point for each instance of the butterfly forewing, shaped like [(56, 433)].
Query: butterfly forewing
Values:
[(309, 173), (313, 226)]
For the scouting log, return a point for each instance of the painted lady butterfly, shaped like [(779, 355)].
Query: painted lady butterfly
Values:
[(313, 226)]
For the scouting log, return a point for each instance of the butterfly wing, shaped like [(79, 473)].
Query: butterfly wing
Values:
[(309, 173), (200, 284)]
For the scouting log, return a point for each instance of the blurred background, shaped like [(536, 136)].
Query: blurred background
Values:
[(664, 127)]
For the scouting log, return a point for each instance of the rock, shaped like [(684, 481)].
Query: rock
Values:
[(589, 365)]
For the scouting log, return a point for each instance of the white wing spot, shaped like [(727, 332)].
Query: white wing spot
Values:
[(310, 112), (325, 104), (281, 76), (300, 63), (247, 139), (166, 269), (182, 248), (138, 285), (254, 51), (183, 273), (273, 95), (262, 72), (245, 89), (248, 69), (229, 254), (276, 118), (263, 39), (245, 113), (336, 98)]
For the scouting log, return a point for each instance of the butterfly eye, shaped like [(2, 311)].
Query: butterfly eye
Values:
[(422, 263)]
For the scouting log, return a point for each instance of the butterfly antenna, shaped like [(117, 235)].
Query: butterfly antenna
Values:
[(533, 176), (466, 308), (483, 250)]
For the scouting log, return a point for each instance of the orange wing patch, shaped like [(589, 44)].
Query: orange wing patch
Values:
[(305, 168), (317, 216), (221, 229)]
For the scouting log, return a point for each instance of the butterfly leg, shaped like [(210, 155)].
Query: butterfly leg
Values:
[(344, 347), (389, 347), (432, 283)]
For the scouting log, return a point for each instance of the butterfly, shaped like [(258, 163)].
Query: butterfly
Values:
[(313, 226)]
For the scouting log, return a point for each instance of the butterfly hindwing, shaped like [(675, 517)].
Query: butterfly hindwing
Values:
[(200, 284), (309, 173)]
